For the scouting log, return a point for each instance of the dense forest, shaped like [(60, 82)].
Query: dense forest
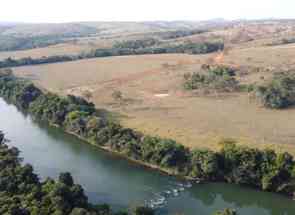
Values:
[(139, 47), (262, 169)]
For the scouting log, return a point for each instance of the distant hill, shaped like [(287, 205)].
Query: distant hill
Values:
[(31, 30), (86, 28), (21, 36)]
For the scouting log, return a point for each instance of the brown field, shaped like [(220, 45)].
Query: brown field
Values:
[(60, 49), (155, 103)]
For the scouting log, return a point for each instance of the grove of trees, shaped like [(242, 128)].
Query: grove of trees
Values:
[(219, 78)]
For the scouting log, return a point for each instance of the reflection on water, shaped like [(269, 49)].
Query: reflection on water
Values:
[(110, 179)]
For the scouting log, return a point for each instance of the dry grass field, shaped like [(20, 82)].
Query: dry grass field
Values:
[(155, 103), (68, 48), (60, 49)]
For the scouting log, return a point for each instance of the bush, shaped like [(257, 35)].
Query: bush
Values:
[(278, 93), (247, 88), (219, 79)]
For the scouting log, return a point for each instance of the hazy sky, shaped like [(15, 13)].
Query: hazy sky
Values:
[(139, 10)]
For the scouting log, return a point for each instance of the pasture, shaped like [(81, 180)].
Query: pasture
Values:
[(154, 102)]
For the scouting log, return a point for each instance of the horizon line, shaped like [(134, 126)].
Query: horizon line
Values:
[(155, 20)]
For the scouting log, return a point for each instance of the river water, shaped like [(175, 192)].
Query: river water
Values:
[(110, 179)]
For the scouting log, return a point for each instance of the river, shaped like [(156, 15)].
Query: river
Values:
[(110, 179)]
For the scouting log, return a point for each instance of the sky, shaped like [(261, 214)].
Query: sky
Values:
[(56, 11)]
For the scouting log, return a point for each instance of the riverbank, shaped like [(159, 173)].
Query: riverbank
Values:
[(121, 155), (107, 178), (263, 170), (35, 197)]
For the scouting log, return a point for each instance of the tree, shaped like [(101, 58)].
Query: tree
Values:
[(204, 164), (66, 178)]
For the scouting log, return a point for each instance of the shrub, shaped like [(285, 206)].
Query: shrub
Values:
[(218, 79), (247, 88), (279, 92)]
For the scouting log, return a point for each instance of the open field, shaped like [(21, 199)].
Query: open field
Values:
[(60, 49), (155, 103)]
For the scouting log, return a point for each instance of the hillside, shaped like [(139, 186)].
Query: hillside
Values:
[(154, 100), (85, 35)]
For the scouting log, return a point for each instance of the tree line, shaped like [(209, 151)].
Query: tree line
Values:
[(180, 33), (138, 47), (262, 169)]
